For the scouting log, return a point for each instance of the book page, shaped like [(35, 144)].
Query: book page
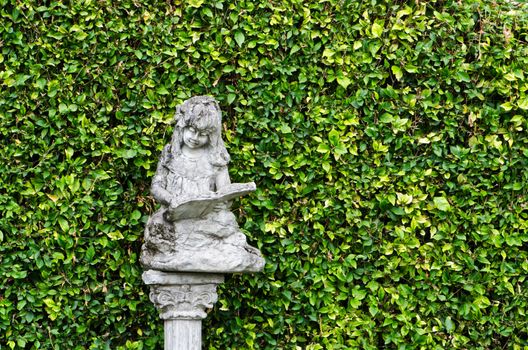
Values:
[(198, 207)]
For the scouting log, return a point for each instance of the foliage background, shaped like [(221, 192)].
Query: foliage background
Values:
[(387, 139)]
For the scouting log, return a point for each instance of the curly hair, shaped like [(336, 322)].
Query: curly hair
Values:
[(204, 114)]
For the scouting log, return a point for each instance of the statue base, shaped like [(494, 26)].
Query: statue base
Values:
[(182, 300)]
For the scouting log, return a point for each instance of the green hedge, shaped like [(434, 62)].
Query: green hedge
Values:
[(388, 141)]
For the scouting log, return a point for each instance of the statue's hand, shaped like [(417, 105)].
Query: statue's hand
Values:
[(220, 206)]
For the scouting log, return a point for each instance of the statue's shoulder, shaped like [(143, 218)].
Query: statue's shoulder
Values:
[(164, 160), (165, 154), (166, 150)]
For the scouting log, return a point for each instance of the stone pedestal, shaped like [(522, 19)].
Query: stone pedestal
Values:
[(181, 299)]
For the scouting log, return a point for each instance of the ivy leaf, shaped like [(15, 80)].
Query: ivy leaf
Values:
[(377, 29), (41, 83), (441, 203), (63, 108), (136, 215), (323, 148), (398, 73), (63, 223), (523, 103), (239, 38), (333, 137), (90, 253), (463, 76), (507, 106), (162, 90), (207, 11), (294, 49), (196, 3), (449, 324), (482, 302), (343, 81)]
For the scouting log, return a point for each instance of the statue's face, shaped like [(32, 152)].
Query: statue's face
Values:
[(194, 138)]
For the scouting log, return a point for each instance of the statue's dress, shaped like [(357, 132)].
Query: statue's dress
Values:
[(212, 243)]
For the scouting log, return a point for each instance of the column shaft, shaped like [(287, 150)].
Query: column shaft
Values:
[(183, 334)]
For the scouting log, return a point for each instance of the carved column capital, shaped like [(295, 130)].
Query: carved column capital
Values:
[(183, 301), (183, 296)]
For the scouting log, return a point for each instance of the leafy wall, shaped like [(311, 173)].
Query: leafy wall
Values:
[(387, 139)]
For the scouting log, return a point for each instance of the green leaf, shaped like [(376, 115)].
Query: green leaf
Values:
[(63, 108), (162, 90), (239, 38), (129, 153), (333, 137), (449, 324), (90, 253), (136, 215), (196, 3), (294, 49), (21, 79), (411, 68), (398, 73), (482, 302), (115, 235), (63, 223), (41, 83), (386, 118), (507, 106), (442, 203), (69, 152), (523, 103), (343, 81), (208, 12), (377, 29), (323, 148), (463, 76), (285, 129)]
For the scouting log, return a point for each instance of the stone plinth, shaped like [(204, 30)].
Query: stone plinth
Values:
[(182, 300)]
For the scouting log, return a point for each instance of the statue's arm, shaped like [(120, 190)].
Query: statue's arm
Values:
[(159, 182), (222, 178)]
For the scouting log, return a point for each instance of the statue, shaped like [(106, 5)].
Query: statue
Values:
[(194, 231)]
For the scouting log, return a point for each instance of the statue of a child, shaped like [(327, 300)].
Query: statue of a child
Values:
[(194, 230)]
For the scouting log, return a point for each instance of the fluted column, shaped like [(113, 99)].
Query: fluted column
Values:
[(182, 300)]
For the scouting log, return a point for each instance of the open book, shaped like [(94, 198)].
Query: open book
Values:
[(197, 207)]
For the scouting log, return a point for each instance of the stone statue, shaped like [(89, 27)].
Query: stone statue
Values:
[(194, 231)]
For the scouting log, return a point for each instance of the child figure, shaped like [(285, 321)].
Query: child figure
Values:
[(194, 166)]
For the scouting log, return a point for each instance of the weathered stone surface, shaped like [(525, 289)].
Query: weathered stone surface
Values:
[(182, 300), (194, 230), (182, 296), (166, 278), (183, 335)]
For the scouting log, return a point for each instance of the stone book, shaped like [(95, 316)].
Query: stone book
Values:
[(198, 207)]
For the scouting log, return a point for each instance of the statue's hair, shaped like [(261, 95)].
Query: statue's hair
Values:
[(204, 114)]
